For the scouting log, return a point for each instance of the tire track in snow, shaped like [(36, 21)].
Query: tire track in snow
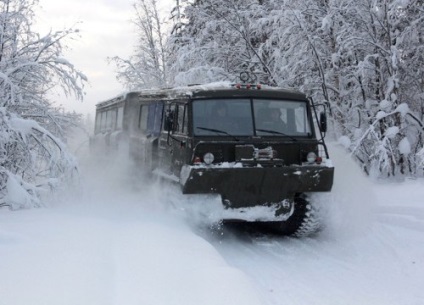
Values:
[(370, 269), (402, 216)]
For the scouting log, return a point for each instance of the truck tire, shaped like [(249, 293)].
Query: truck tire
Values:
[(304, 222)]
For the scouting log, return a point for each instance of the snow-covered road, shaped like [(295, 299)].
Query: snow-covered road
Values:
[(372, 251), (116, 245), (111, 255), (384, 265)]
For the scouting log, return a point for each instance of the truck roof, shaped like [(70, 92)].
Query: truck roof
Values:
[(214, 90)]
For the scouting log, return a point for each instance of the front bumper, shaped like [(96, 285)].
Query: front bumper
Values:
[(252, 186)]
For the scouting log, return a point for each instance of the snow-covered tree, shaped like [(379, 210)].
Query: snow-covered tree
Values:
[(218, 40), (147, 67), (33, 158), (383, 39)]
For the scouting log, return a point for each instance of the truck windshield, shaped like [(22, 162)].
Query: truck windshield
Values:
[(250, 117)]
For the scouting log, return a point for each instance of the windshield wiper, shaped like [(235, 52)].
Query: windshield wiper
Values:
[(277, 132), (218, 131)]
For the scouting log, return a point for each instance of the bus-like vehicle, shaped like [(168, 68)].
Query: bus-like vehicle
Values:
[(260, 149)]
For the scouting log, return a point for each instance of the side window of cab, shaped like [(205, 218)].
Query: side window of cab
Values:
[(181, 119), (175, 118), (170, 122)]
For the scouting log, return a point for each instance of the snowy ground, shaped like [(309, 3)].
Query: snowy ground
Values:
[(116, 244)]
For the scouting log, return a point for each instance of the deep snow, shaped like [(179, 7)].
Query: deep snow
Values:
[(121, 243)]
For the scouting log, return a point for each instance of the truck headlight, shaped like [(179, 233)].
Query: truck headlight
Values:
[(208, 158), (311, 157)]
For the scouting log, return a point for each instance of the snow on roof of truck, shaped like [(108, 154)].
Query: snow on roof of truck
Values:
[(218, 89)]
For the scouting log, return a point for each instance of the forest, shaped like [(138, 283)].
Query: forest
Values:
[(362, 59)]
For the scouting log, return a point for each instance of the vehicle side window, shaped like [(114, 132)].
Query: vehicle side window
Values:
[(181, 120), (120, 117), (175, 118), (103, 121), (143, 115), (185, 122), (111, 119), (158, 118), (154, 118), (170, 121)]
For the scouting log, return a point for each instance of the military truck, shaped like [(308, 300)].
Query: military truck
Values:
[(260, 149)]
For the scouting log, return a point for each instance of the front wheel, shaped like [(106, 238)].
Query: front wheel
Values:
[(305, 220)]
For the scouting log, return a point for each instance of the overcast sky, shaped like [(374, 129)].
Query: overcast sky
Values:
[(106, 31)]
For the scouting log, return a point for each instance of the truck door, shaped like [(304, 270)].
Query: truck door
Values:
[(173, 140), (166, 150), (179, 139)]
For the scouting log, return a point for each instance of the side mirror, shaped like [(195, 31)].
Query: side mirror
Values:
[(323, 122)]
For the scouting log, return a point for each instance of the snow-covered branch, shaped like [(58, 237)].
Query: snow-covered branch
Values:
[(33, 159)]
